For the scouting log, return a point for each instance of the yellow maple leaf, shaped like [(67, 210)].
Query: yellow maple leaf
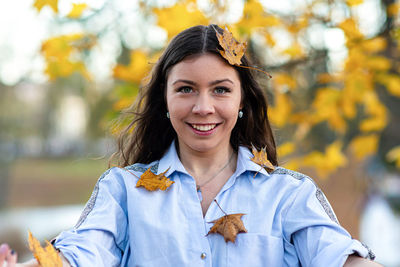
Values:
[(363, 146), (233, 50), (178, 17), (152, 181), (394, 156), (77, 10), (136, 70), (39, 4), (46, 256)]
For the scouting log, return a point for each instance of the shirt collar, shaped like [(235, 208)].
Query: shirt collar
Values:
[(171, 160)]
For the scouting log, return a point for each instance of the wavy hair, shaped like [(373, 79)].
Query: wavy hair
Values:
[(150, 132)]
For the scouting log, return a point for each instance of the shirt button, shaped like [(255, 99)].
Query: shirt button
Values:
[(203, 256)]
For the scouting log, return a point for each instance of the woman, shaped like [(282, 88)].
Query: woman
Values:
[(195, 123)]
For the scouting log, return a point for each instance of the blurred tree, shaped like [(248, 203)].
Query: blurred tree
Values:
[(324, 109)]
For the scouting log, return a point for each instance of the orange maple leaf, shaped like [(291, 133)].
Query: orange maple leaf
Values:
[(229, 225), (233, 50), (152, 181), (46, 256), (261, 158)]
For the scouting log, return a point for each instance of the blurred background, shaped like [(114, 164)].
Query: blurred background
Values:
[(68, 70)]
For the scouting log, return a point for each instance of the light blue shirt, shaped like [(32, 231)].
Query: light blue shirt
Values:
[(289, 222)]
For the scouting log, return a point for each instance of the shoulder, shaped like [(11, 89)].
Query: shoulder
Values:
[(303, 186), (292, 178)]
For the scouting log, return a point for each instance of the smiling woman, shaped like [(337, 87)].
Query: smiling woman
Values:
[(195, 123)]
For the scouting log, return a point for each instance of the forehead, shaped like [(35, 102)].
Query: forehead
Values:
[(203, 66)]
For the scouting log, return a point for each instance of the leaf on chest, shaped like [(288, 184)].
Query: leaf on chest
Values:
[(229, 226), (152, 182)]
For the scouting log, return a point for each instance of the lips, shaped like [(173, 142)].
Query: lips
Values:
[(203, 127)]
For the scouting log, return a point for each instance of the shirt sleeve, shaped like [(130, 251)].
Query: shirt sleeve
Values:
[(100, 236), (312, 228)]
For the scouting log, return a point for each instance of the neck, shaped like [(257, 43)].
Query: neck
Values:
[(204, 164)]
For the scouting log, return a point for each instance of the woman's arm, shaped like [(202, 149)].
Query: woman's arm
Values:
[(356, 261)]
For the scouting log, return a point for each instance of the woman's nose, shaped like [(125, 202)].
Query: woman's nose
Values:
[(203, 105)]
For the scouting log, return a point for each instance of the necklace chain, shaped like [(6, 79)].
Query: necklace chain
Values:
[(216, 174)]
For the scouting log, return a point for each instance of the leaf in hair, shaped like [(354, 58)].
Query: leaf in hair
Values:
[(233, 50)]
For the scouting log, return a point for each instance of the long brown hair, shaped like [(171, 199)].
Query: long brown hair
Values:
[(150, 133)]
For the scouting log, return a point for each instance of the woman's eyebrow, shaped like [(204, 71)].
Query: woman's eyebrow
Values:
[(220, 81), (184, 81), (210, 83)]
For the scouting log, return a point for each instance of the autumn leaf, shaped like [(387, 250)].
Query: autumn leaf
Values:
[(229, 226), (46, 256), (77, 10), (363, 146), (152, 181), (261, 158), (233, 50), (394, 156), (39, 4)]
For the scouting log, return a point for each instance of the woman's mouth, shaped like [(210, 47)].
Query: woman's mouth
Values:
[(203, 127)]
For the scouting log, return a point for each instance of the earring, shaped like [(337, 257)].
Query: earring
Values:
[(240, 114), (167, 114)]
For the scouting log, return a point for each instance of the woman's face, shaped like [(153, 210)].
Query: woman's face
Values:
[(203, 100)]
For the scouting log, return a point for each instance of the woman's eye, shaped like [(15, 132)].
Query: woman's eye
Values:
[(185, 89), (221, 90)]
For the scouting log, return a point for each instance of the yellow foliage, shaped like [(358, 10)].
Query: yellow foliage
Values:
[(284, 80), (39, 4), (354, 2), (326, 163), (394, 156), (377, 112), (295, 51), (363, 146), (374, 45), (327, 107), (280, 112), (136, 70), (269, 39), (254, 17), (77, 10), (391, 82), (285, 149), (350, 29), (393, 9), (59, 52), (46, 256), (378, 63), (179, 17)]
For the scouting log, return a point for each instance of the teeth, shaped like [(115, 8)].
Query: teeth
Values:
[(204, 128)]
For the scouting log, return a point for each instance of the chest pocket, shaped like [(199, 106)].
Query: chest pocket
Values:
[(255, 250)]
